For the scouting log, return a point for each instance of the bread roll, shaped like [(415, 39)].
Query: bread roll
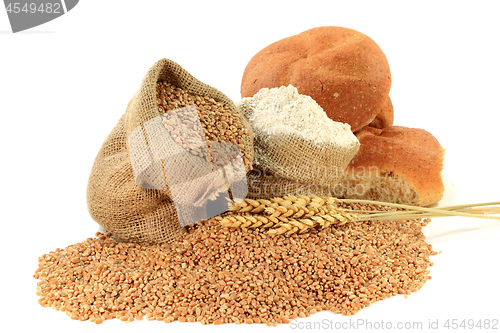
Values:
[(385, 118), (395, 164), (343, 70)]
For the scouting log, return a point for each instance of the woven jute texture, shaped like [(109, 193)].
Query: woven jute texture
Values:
[(263, 184), (147, 213), (298, 159)]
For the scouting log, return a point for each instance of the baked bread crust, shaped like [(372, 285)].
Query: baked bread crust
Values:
[(385, 118), (343, 70), (396, 164)]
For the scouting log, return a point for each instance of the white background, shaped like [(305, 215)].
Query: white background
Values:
[(64, 85)]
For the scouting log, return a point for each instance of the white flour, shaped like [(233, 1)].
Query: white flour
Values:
[(284, 111)]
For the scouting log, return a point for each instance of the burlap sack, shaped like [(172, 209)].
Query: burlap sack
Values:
[(129, 191), (293, 157), (289, 163), (263, 184)]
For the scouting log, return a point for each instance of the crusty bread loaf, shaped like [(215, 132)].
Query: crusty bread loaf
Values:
[(385, 118), (348, 75), (343, 70), (395, 164)]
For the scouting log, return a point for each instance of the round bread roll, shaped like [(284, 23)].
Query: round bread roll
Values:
[(395, 164), (385, 118), (343, 70)]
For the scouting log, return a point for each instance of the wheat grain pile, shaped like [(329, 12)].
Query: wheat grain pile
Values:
[(217, 274)]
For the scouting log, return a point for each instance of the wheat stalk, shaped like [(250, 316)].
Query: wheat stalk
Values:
[(298, 214)]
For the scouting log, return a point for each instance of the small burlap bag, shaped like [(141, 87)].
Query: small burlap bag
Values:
[(262, 184), (143, 186), (293, 157), (286, 160)]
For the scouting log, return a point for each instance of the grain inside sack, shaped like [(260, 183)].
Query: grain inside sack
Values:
[(150, 179), (295, 142), (218, 125)]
